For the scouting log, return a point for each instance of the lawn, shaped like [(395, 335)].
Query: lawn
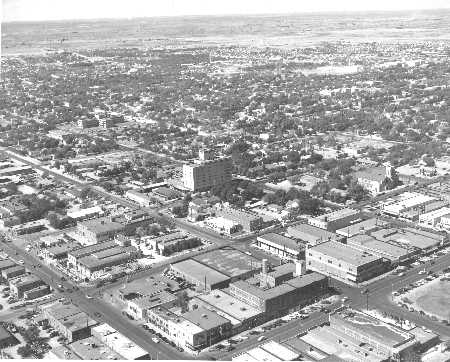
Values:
[(433, 298)]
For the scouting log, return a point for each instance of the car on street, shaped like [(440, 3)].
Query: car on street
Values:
[(261, 338), (156, 340), (89, 296)]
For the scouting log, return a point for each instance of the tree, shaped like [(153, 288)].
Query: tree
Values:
[(85, 192), (357, 192), (25, 351)]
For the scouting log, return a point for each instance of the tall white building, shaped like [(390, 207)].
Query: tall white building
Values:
[(207, 172)]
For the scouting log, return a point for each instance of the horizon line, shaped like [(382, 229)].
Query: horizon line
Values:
[(226, 15)]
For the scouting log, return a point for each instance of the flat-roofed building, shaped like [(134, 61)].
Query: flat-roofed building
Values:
[(206, 173), (6, 264), (119, 343), (241, 315), (278, 300), (69, 320), (232, 262), (269, 351), (91, 349), (13, 272), (395, 253), (386, 340), (433, 218), (100, 260), (83, 214), (98, 230), (282, 246), (344, 262), (411, 238), (361, 227), (408, 202), (173, 242), (335, 220), (250, 221), (24, 283), (201, 275), (195, 329), (138, 307), (312, 235)]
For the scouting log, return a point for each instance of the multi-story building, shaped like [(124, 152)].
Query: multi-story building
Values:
[(335, 220), (279, 299), (410, 205), (87, 123), (195, 329), (312, 235), (98, 230), (249, 221), (207, 172), (343, 262)]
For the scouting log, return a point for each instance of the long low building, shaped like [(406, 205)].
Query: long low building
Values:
[(249, 221), (344, 262), (395, 253), (361, 227), (312, 235), (335, 220), (90, 259), (282, 246), (433, 219), (408, 204), (201, 275)]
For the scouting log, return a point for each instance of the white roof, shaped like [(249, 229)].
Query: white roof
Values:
[(262, 355), (279, 351), (435, 213), (244, 357), (119, 343), (407, 200), (84, 212)]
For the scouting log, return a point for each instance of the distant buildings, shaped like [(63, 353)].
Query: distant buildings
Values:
[(335, 220), (343, 262), (207, 172)]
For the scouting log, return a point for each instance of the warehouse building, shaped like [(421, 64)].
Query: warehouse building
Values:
[(394, 252), (312, 235), (433, 219), (335, 220), (201, 275), (282, 246), (344, 262), (13, 272), (97, 230), (361, 227)]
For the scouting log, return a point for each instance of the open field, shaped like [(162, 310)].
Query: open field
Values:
[(289, 31)]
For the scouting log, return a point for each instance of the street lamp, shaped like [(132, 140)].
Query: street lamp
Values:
[(366, 292)]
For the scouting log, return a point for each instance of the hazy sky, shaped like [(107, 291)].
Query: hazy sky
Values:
[(18, 10)]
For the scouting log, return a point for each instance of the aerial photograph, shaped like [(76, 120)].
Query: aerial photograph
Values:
[(239, 180)]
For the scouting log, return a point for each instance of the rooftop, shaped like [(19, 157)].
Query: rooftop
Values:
[(222, 301), (375, 328), (229, 261), (92, 349), (205, 318), (386, 250), (362, 226), (345, 253), (409, 237), (373, 174), (311, 234), (199, 272), (282, 241), (338, 214), (101, 225)]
